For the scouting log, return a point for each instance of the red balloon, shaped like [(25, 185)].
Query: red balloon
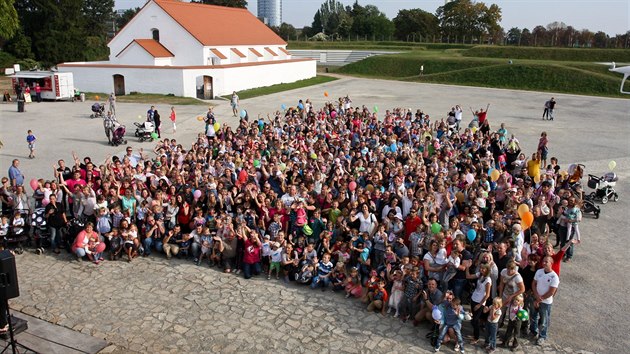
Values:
[(527, 219), (352, 186)]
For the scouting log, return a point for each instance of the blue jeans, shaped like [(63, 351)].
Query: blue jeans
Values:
[(457, 328), (491, 334), (80, 252), (320, 281), (544, 311), (149, 242), (249, 269), (55, 236), (458, 285)]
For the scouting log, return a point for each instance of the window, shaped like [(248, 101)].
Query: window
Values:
[(156, 34)]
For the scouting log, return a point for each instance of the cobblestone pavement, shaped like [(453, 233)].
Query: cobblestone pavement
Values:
[(156, 305)]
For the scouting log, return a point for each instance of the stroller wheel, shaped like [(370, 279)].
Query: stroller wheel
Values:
[(19, 250), (125, 142), (596, 214), (604, 199), (615, 197)]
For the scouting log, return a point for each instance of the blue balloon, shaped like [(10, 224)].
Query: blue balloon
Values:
[(243, 113), (284, 106), (472, 235), (300, 106)]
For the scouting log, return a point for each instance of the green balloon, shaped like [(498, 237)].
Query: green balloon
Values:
[(435, 228), (256, 163), (154, 136)]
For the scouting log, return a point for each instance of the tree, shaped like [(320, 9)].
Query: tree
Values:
[(514, 36), (556, 30), (466, 19), (228, 3), (285, 31), (328, 18), (416, 23), (526, 37), (98, 14), (9, 23), (125, 17), (370, 22), (600, 40), (540, 35), (20, 46)]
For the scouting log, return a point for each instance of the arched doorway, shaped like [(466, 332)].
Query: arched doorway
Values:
[(119, 85), (204, 88)]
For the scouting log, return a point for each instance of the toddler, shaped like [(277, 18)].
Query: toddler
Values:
[(266, 254), (398, 289), (441, 257), (514, 324), (206, 246), (276, 258), (30, 139), (353, 283), (492, 325), (452, 264)]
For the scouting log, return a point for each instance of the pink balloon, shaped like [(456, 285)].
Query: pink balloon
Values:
[(197, 194), (45, 202), (352, 186), (333, 114), (34, 184), (470, 178)]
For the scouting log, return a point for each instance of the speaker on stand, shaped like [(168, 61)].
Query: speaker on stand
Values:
[(9, 289)]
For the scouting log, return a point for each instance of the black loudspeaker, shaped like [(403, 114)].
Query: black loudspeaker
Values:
[(8, 277)]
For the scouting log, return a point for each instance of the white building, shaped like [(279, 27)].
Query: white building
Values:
[(270, 12), (192, 50)]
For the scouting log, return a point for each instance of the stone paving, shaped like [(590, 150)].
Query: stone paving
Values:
[(155, 305)]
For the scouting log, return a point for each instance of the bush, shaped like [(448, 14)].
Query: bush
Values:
[(6, 60), (536, 53)]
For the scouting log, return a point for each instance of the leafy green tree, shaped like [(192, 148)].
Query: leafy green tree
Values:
[(328, 18), (370, 22), (98, 14), (514, 36), (285, 31), (20, 45), (526, 37), (9, 23), (125, 17), (600, 40), (462, 19), (228, 3), (415, 22)]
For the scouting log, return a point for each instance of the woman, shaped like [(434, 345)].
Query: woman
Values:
[(56, 218), (289, 261), (184, 214), (88, 243), (480, 297), (434, 270), (367, 220)]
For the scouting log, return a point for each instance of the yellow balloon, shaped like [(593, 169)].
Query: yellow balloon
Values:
[(522, 209), (200, 118), (494, 175), (563, 173), (537, 178), (217, 126), (612, 165)]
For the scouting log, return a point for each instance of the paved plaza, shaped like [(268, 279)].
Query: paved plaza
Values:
[(155, 305)]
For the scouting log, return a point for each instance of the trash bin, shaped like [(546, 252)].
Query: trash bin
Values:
[(20, 104), (82, 95)]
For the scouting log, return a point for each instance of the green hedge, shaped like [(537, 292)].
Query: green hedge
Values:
[(537, 53)]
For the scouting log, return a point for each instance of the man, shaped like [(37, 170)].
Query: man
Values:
[(431, 296), (150, 114), (546, 111), (170, 242), (154, 232), (16, 178), (459, 281), (452, 314), (112, 103), (552, 105), (133, 158), (545, 285)]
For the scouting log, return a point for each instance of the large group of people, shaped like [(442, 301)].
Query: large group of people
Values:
[(411, 214)]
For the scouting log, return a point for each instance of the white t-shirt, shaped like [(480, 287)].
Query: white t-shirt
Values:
[(276, 256), (440, 257), (365, 222), (546, 281), (480, 289)]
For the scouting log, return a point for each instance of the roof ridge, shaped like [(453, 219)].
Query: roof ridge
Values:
[(197, 4)]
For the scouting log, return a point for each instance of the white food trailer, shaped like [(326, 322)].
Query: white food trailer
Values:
[(54, 85)]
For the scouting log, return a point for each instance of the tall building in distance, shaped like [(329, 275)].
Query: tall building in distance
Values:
[(270, 12)]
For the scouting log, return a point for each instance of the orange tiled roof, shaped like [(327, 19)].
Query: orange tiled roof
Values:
[(284, 51), (271, 51), (238, 52), (153, 47), (218, 53), (256, 53), (218, 25)]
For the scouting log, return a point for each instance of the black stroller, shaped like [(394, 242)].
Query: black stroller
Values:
[(98, 110)]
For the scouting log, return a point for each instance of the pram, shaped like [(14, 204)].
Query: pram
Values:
[(603, 187), (118, 134), (97, 110), (17, 235), (144, 130), (39, 228)]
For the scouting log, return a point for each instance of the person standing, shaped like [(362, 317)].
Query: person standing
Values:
[(16, 177), (38, 92), (150, 114), (56, 217), (552, 106), (157, 121), (544, 287), (234, 103), (546, 111), (112, 103), (30, 139), (173, 117)]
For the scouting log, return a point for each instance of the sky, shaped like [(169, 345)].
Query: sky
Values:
[(610, 16)]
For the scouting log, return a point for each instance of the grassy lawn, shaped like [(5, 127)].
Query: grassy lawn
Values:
[(261, 91), (148, 98)]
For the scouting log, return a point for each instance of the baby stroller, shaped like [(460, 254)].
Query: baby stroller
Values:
[(118, 136), (17, 235), (41, 235), (98, 110), (603, 187), (144, 130)]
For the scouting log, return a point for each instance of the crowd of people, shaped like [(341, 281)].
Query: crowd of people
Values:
[(414, 216)]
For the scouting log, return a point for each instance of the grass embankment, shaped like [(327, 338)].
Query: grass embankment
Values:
[(450, 67), (261, 91), (562, 54), (369, 45)]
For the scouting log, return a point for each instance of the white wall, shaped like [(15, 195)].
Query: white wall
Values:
[(183, 82), (187, 50), (136, 55)]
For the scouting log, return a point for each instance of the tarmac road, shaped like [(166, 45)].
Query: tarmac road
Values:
[(590, 311)]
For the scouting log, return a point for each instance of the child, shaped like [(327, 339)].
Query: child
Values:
[(371, 284), (117, 216), (324, 268), (18, 223), (266, 254), (103, 222), (173, 117), (494, 314), (514, 324), (115, 244), (398, 289), (131, 242), (379, 299), (305, 275), (30, 139), (206, 245), (338, 276), (452, 264), (353, 284), (440, 257), (276, 258), (4, 226)]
